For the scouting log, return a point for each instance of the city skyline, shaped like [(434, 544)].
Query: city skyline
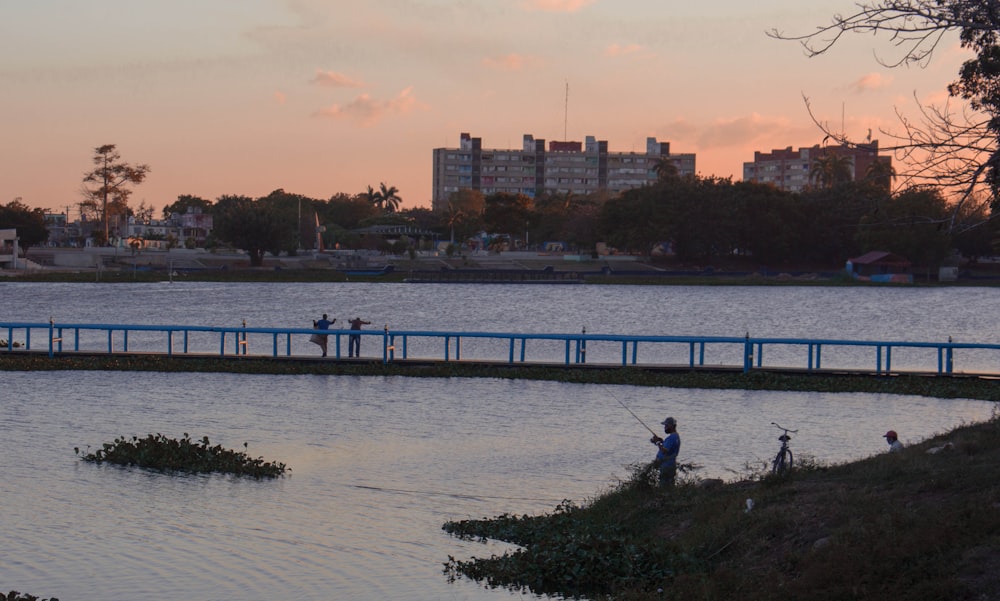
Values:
[(320, 97)]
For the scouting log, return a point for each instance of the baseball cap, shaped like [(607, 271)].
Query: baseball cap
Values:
[(669, 422), (890, 434)]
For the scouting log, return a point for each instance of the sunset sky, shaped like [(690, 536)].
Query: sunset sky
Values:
[(326, 96)]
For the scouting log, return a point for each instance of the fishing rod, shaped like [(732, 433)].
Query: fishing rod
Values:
[(633, 414)]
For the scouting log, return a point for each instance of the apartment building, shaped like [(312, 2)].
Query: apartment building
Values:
[(560, 167), (790, 169)]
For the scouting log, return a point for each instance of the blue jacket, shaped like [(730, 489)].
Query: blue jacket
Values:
[(669, 449)]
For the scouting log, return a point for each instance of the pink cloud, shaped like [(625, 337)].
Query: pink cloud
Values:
[(280, 97), (336, 80), (734, 132), (368, 111), (619, 50), (511, 62), (555, 6), (871, 81)]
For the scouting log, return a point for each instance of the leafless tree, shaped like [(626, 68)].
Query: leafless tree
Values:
[(955, 149)]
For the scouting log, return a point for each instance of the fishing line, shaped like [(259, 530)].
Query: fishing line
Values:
[(430, 493), (633, 413)]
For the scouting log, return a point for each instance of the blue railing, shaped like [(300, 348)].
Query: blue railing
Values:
[(736, 352)]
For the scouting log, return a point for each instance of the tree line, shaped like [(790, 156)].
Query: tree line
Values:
[(699, 219)]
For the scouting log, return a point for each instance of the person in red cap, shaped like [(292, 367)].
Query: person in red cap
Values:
[(894, 445)]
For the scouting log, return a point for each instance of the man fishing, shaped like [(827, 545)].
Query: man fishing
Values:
[(666, 456)]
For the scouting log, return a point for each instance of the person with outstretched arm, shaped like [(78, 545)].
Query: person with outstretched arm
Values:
[(322, 324), (666, 455), (354, 340)]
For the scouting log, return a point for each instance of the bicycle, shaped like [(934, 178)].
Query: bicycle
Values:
[(784, 460)]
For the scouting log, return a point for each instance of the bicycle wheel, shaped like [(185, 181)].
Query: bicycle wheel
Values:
[(778, 465)]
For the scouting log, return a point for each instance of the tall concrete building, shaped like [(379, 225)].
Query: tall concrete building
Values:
[(561, 168), (789, 169)]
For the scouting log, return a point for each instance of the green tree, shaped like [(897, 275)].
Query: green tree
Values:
[(464, 212), (975, 235), (29, 223), (828, 221), (251, 225), (107, 187), (184, 203), (297, 211), (703, 218), (766, 218), (912, 224), (346, 211), (635, 221), (507, 214), (143, 213)]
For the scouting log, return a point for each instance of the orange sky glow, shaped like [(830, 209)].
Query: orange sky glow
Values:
[(320, 97)]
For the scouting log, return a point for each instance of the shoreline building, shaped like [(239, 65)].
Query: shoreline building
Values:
[(561, 168), (790, 170)]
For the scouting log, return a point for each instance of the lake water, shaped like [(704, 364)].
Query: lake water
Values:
[(379, 464)]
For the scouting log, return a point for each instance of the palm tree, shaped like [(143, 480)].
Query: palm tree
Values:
[(665, 169), (373, 197), (390, 197), (455, 215), (881, 173), (831, 169)]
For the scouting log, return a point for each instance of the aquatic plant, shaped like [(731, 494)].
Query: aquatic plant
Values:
[(156, 451), (16, 596), (920, 525)]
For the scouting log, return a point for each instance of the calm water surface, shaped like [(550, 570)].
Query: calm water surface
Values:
[(850, 313), (378, 464)]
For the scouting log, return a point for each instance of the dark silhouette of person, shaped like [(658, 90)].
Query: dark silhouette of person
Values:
[(322, 324), (354, 341)]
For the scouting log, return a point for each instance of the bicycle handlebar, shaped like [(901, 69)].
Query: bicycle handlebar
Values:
[(780, 427)]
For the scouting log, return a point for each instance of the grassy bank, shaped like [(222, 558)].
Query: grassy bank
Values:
[(932, 386), (913, 526)]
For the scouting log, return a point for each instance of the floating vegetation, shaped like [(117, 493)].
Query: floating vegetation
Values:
[(158, 452), (16, 596)]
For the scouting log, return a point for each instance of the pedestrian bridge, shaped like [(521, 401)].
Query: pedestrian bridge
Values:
[(387, 345)]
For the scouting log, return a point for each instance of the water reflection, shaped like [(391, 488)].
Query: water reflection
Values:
[(378, 465)]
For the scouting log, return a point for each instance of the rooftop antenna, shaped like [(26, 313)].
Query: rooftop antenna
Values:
[(566, 112)]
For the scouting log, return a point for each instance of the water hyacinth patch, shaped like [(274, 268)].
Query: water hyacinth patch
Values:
[(158, 452), (16, 596)]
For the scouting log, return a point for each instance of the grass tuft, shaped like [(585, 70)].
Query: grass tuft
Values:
[(914, 525)]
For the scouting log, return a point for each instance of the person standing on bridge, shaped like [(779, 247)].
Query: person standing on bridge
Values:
[(321, 339), (354, 341), (668, 449)]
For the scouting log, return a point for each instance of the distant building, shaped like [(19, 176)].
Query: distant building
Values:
[(562, 168), (62, 232), (8, 248), (194, 224), (790, 169)]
